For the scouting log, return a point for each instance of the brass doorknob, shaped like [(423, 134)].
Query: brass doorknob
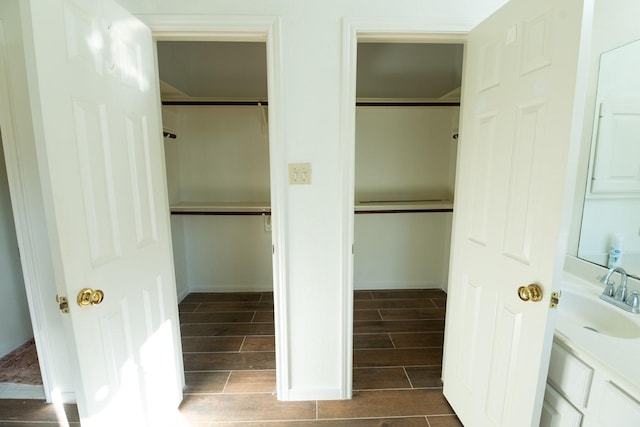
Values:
[(88, 296), (532, 292)]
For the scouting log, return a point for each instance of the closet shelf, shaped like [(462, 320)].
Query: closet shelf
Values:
[(221, 208), (399, 206), (260, 208)]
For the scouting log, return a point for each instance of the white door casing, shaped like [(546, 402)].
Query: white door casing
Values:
[(98, 138), (510, 212)]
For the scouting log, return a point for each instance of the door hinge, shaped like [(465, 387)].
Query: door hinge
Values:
[(555, 299), (63, 303)]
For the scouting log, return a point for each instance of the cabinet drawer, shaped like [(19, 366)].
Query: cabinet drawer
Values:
[(570, 376), (557, 411), (616, 408)]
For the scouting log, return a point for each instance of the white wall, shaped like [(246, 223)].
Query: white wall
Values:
[(404, 153), (14, 311), (402, 250), (221, 154), (614, 24), (603, 215)]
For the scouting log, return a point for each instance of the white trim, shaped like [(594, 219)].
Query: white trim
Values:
[(229, 287), (266, 29), (418, 30)]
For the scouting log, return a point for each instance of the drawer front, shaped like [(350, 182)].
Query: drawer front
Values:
[(557, 411), (570, 376), (616, 408)]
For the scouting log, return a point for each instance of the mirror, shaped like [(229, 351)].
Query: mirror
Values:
[(611, 211)]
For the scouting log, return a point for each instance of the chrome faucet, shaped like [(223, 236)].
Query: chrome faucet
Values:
[(619, 296)]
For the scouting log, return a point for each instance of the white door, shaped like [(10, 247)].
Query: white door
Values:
[(98, 137), (516, 133)]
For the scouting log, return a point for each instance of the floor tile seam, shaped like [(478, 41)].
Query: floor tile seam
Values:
[(244, 339), (404, 369), (378, 418), (399, 348), (231, 370), (386, 389), (396, 348), (225, 323), (393, 343), (398, 320), (228, 336), (396, 366), (228, 352), (227, 393), (227, 381)]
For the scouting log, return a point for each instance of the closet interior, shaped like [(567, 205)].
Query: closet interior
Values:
[(19, 369), (407, 114), (214, 106), (214, 111)]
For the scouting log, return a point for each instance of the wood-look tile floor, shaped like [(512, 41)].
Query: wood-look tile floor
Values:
[(229, 359)]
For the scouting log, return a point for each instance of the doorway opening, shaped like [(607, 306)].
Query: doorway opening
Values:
[(406, 128), (215, 118), (20, 376)]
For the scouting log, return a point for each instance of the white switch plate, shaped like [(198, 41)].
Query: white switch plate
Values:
[(299, 173)]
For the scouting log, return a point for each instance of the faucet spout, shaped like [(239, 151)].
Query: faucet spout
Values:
[(621, 292)]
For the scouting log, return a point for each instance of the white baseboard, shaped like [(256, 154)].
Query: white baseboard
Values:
[(198, 288), (370, 286)]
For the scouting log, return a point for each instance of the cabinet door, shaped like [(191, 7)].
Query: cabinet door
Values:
[(557, 411), (614, 407)]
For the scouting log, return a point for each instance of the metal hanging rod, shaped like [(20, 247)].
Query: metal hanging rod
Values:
[(406, 104), (358, 103), (222, 103)]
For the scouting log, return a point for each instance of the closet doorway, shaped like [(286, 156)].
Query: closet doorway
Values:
[(406, 129), (215, 120), (20, 376)]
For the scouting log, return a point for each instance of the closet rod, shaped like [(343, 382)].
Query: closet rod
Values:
[(358, 103), (222, 103), (392, 211), (405, 104), (239, 213)]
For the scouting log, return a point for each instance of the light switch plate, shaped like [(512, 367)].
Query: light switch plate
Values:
[(299, 173)]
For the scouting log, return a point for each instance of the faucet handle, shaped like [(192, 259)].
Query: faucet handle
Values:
[(609, 290), (602, 279), (633, 300)]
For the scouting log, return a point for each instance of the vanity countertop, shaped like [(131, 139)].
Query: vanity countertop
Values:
[(620, 356)]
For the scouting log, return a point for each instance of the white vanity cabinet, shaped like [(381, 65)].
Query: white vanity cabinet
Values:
[(582, 392)]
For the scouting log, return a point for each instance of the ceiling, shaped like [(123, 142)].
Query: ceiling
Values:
[(192, 71)]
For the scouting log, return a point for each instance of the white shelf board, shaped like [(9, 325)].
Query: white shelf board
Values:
[(403, 205), (221, 207)]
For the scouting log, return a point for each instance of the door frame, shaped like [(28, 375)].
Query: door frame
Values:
[(36, 276), (354, 30), (251, 29)]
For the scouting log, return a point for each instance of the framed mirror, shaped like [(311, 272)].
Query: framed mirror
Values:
[(610, 226)]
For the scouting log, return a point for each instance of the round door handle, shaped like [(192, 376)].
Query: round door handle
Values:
[(88, 296), (531, 292)]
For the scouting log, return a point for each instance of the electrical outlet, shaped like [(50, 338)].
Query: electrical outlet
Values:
[(299, 173)]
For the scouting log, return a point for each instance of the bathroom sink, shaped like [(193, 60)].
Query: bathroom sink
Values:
[(595, 315)]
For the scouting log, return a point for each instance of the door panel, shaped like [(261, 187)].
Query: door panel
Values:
[(518, 99), (103, 181)]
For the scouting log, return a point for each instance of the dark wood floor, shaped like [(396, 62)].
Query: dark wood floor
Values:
[(229, 358)]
